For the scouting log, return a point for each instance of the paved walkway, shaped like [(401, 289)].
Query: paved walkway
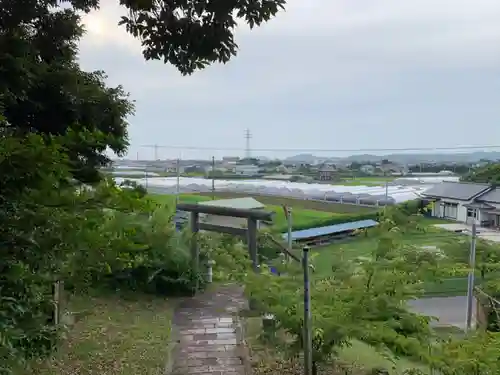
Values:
[(209, 334)]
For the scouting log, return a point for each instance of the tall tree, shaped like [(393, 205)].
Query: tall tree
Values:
[(43, 89), (193, 34)]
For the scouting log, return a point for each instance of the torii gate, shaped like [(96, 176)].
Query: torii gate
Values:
[(250, 233)]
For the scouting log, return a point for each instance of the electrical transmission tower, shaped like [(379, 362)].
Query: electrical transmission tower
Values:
[(155, 147), (248, 136)]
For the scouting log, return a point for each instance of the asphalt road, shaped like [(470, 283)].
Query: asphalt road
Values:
[(448, 310)]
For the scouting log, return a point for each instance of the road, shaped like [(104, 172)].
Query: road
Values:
[(449, 310)]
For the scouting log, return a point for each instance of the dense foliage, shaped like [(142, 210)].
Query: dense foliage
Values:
[(89, 238), (193, 34), (362, 300), (43, 89), (56, 123), (489, 174), (190, 35)]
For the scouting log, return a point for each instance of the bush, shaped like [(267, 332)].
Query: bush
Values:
[(33, 246), (412, 207), (99, 237)]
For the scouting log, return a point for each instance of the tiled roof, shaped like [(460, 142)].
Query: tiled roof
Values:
[(492, 196), (457, 190)]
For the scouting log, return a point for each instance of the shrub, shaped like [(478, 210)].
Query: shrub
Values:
[(102, 237)]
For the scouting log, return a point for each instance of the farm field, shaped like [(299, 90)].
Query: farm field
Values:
[(113, 336), (305, 214), (302, 217), (337, 208)]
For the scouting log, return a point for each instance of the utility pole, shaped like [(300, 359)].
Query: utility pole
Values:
[(288, 215), (307, 314), (213, 177), (386, 194), (470, 278), (178, 170)]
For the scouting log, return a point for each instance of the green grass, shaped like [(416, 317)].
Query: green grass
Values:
[(114, 336), (360, 246), (301, 216), (305, 214), (337, 208), (362, 356), (357, 359)]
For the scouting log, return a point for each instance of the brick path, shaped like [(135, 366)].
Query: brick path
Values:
[(209, 334)]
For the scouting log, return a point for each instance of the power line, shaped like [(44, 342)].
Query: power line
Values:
[(454, 148)]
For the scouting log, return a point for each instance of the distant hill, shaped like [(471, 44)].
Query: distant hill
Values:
[(471, 157), (302, 158)]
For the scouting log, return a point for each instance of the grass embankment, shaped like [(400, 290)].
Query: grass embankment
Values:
[(113, 336), (305, 214)]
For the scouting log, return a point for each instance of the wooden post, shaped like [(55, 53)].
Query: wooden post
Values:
[(252, 243), (195, 250)]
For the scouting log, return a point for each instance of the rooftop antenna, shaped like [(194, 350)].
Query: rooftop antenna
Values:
[(248, 136)]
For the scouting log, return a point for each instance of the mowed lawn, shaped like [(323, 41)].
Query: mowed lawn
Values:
[(113, 335), (301, 214)]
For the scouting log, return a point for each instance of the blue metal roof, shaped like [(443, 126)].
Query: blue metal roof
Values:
[(331, 229)]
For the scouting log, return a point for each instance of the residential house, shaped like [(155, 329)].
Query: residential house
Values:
[(466, 202), (246, 170), (282, 169), (172, 168), (367, 169), (230, 159), (393, 169), (327, 172), (227, 221)]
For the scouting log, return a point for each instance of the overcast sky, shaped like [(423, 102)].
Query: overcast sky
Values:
[(325, 74)]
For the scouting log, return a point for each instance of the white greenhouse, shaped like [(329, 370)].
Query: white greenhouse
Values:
[(360, 195)]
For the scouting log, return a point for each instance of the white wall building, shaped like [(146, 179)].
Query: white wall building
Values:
[(466, 203)]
